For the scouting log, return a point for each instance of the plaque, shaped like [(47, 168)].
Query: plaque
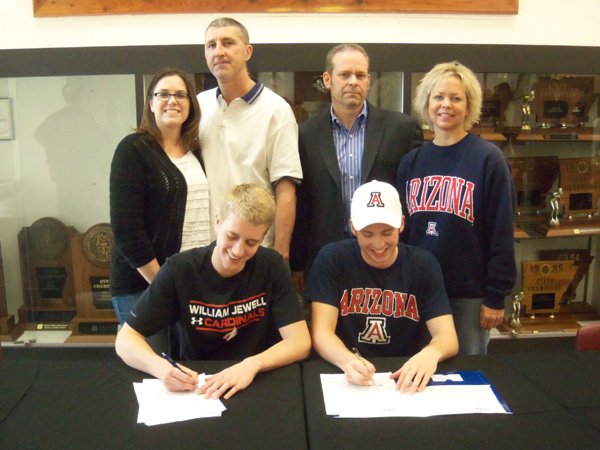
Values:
[(91, 258), (580, 182), (533, 178), (46, 271), (563, 101), (97, 243), (544, 284), (494, 104), (581, 261)]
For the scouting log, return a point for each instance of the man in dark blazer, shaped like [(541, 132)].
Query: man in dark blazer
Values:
[(340, 149)]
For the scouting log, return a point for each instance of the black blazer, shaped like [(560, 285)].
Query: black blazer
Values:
[(320, 209)]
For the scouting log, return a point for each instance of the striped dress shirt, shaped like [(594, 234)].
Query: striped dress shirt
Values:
[(349, 147)]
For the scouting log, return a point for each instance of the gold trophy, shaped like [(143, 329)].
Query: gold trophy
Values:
[(526, 109)]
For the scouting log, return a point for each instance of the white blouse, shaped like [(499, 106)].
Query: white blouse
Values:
[(196, 222)]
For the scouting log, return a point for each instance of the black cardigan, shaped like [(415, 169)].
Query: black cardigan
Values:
[(147, 207)]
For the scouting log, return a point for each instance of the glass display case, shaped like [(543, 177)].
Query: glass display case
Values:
[(59, 129)]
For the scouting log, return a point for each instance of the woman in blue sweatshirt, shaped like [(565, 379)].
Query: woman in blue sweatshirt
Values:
[(459, 197)]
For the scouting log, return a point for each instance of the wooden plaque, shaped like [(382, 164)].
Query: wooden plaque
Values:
[(544, 284), (581, 261), (494, 104), (46, 271), (580, 182), (49, 8), (534, 178), (91, 258), (563, 101)]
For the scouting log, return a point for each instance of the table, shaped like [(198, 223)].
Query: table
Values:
[(555, 399), (87, 404), (84, 399)]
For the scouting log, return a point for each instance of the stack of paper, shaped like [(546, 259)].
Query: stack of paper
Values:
[(457, 393), (158, 405)]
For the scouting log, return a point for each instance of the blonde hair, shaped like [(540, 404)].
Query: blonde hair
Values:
[(251, 203), (440, 72)]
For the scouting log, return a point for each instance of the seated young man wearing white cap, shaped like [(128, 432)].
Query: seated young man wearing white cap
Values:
[(372, 294)]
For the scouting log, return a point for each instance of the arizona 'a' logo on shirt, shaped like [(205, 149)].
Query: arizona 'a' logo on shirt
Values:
[(431, 229), (374, 332), (375, 200)]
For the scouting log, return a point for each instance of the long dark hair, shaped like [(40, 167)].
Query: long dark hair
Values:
[(189, 128)]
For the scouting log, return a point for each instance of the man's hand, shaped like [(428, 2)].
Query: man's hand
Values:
[(230, 380), (490, 318), (359, 371), (414, 375), (176, 380)]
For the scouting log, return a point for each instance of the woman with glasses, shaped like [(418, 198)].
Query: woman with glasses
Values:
[(158, 190)]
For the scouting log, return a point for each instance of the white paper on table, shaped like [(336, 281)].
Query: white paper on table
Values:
[(345, 400), (157, 405), (339, 394)]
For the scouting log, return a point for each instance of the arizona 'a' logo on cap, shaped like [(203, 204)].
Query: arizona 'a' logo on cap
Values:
[(375, 200)]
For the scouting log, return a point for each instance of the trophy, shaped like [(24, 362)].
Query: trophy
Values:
[(515, 320), (494, 104), (544, 283), (526, 110), (581, 258), (91, 259), (580, 180), (577, 199), (533, 177), (555, 205), (46, 271), (563, 102)]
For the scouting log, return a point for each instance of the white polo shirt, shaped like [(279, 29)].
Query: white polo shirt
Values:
[(254, 139)]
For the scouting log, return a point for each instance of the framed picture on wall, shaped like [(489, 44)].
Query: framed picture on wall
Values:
[(6, 121)]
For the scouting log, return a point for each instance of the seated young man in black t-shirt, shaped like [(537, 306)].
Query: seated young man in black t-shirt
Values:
[(228, 298), (373, 294)]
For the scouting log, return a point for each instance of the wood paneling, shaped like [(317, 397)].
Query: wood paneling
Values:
[(52, 8)]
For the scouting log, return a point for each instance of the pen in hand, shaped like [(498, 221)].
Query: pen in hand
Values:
[(360, 358), (170, 360)]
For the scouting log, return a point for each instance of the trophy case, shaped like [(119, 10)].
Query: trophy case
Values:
[(540, 106)]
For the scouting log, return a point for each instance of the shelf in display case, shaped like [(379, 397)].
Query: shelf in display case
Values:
[(580, 134), (537, 227), (489, 134)]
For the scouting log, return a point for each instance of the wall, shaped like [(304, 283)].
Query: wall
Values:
[(539, 22)]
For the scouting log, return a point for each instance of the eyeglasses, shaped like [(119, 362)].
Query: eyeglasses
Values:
[(164, 95)]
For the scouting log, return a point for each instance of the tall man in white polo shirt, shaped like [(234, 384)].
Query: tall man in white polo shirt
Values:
[(248, 134)]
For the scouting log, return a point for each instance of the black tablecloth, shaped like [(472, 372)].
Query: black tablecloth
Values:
[(554, 399), (83, 404)]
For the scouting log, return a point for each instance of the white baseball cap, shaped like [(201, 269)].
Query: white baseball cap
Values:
[(376, 202)]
